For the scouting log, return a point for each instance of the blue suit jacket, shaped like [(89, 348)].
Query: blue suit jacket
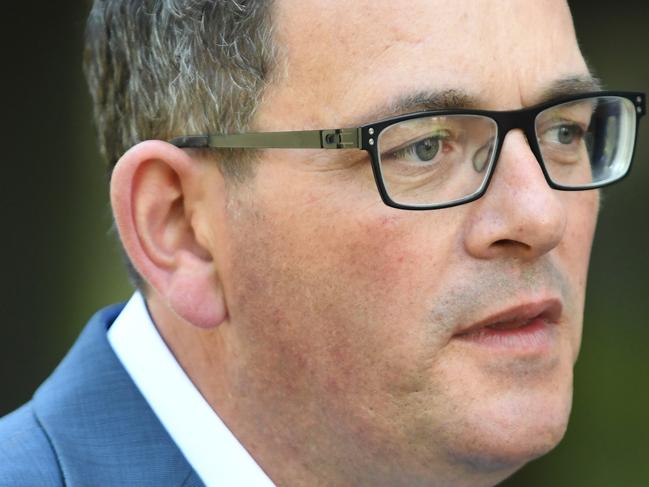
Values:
[(88, 425)]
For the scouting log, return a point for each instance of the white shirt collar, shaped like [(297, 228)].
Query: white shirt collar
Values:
[(208, 445)]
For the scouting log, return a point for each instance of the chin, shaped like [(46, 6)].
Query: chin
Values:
[(503, 411), (511, 431)]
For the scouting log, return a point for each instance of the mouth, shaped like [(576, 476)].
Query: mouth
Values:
[(529, 328)]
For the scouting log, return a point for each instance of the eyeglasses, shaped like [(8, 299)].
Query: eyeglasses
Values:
[(438, 159)]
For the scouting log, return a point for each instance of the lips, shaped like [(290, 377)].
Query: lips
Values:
[(528, 327)]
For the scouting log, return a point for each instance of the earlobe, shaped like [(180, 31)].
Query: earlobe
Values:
[(194, 294), (155, 190)]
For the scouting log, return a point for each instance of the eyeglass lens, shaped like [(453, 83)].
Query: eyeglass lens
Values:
[(587, 142), (442, 159)]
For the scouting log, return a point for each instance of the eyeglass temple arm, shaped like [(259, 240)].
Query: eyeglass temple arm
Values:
[(305, 139)]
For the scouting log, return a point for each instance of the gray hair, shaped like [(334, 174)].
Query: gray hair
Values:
[(161, 68)]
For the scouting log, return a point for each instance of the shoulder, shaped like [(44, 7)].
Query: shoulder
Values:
[(93, 422), (26, 456)]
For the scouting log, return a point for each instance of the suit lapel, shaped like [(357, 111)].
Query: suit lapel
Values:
[(101, 428)]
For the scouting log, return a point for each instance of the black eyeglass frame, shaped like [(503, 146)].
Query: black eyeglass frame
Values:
[(366, 138)]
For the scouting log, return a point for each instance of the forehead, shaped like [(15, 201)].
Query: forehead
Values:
[(342, 58)]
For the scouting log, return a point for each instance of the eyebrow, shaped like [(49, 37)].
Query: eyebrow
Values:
[(421, 101), (573, 85), (459, 99)]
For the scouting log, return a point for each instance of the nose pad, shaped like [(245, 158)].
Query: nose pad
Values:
[(482, 156), (522, 157), (520, 214)]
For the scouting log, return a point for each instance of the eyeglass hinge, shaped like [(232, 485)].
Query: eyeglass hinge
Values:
[(642, 105), (340, 139)]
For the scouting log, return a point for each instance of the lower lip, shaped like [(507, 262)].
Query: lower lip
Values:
[(534, 337)]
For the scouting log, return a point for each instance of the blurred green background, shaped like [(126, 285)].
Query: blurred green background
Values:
[(60, 261)]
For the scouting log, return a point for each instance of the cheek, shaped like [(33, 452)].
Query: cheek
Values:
[(332, 313), (574, 254), (574, 250), (340, 292)]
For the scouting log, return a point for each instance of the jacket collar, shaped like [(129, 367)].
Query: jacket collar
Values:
[(100, 427)]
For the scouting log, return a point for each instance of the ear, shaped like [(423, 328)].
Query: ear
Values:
[(155, 191)]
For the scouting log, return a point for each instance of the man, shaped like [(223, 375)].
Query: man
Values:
[(298, 320)]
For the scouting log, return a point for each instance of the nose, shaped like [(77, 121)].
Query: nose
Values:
[(520, 215)]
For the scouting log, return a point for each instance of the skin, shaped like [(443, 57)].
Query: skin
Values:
[(316, 320)]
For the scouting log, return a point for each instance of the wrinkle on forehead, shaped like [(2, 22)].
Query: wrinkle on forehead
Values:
[(342, 56), (341, 29)]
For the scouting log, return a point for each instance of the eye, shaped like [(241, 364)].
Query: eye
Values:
[(427, 149), (424, 151), (566, 134)]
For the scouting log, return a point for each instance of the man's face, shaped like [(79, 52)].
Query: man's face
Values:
[(347, 316)]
